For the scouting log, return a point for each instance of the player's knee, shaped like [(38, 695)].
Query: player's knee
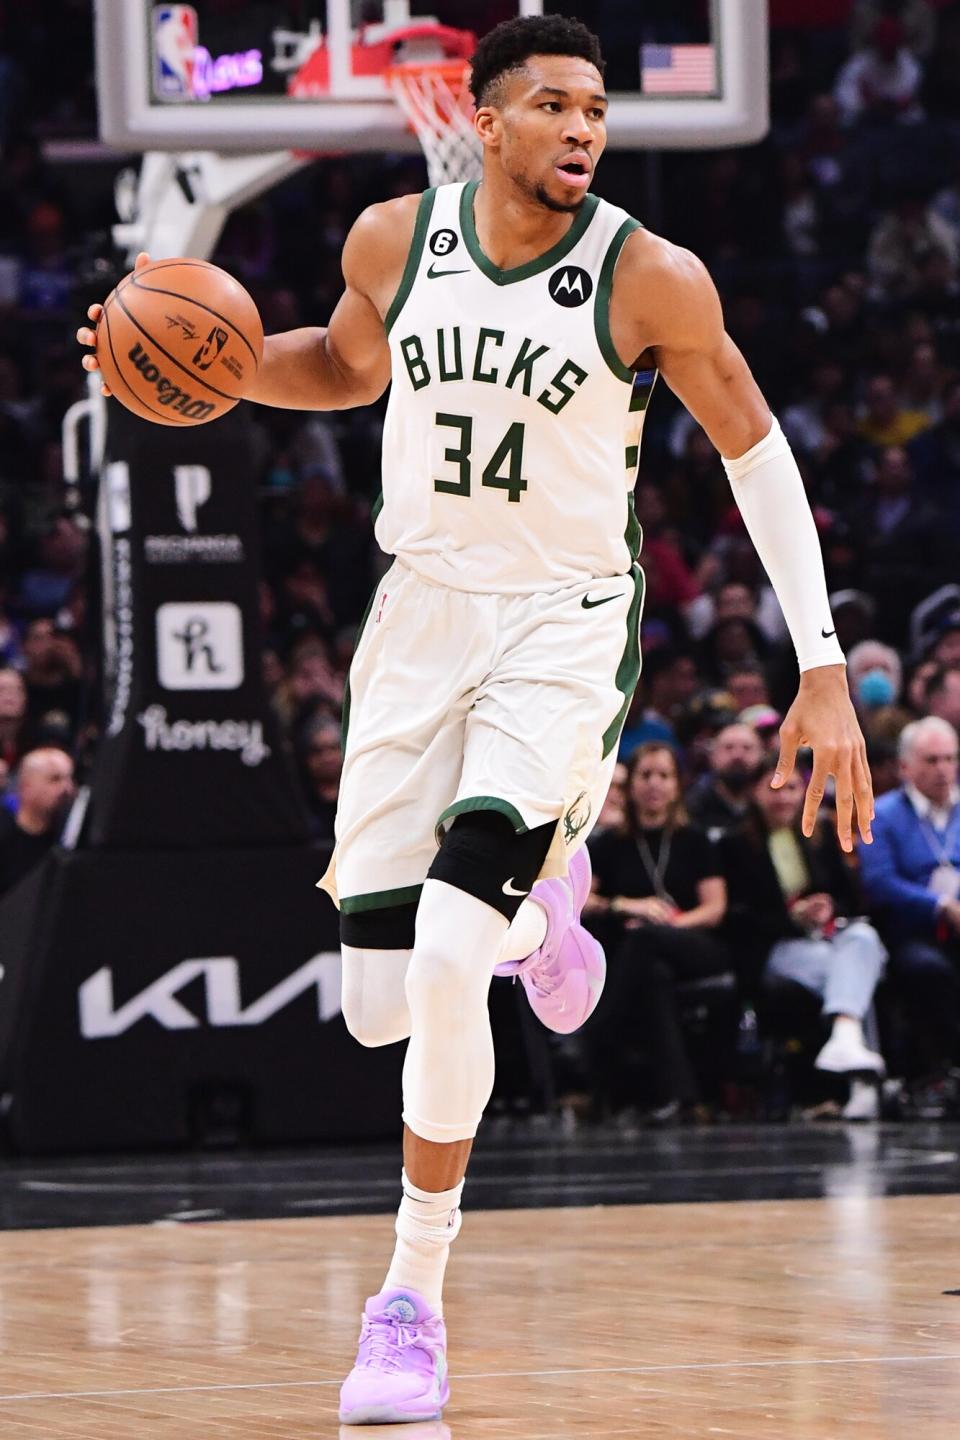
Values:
[(483, 855), (438, 977), (373, 997)]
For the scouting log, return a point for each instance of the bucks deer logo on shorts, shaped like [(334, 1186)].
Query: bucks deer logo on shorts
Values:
[(576, 817)]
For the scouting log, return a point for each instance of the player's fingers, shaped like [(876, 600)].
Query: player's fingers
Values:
[(789, 745), (94, 312), (142, 259), (822, 767), (863, 795), (90, 362), (843, 771), (86, 336)]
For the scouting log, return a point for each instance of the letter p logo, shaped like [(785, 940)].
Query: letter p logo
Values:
[(192, 486)]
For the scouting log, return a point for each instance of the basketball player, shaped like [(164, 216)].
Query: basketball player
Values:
[(523, 323)]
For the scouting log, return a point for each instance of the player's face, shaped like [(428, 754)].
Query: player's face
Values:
[(551, 129)]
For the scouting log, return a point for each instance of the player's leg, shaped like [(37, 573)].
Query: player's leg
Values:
[(570, 720), (462, 919)]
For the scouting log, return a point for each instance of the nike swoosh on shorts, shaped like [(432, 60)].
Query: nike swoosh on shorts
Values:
[(589, 604), (509, 890)]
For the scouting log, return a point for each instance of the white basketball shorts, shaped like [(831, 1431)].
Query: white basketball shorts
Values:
[(463, 701)]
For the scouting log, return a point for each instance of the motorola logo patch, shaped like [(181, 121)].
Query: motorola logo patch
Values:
[(570, 286), (443, 242)]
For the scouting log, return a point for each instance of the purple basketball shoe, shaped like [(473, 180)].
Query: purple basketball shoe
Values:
[(564, 978), (401, 1369)]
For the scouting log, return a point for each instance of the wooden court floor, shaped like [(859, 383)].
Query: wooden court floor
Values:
[(797, 1320)]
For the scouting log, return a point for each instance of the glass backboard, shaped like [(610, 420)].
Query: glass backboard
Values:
[(229, 75)]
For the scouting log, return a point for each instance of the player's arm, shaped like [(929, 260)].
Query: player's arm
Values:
[(346, 363), (683, 325)]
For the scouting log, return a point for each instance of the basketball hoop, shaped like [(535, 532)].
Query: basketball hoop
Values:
[(436, 99)]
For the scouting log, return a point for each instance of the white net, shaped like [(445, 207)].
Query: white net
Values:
[(439, 107)]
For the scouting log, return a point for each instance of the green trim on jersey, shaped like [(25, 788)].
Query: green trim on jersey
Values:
[(532, 267), (424, 211), (482, 802), (379, 899), (601, 304), (628, 671), (633, 535)]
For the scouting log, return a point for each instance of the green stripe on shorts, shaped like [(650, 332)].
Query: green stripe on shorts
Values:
[(628, 671), (380, 899)]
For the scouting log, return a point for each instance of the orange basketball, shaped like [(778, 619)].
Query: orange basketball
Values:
[(179, 342)]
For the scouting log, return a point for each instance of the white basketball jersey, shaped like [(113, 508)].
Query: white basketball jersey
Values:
[(512, 434)]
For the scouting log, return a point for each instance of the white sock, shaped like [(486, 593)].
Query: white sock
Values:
[(528, 930), (427, 1224), (847, 1024)]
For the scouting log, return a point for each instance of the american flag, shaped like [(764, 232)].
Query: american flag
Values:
[(678, 69)]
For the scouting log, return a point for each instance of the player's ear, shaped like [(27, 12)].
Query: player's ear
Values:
[(488, 124)]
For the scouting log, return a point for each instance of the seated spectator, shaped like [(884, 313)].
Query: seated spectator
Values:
[(875, 677), (905, 550), (731, 645), (884, 420), (657, 879), (942, 694), (854, 613), (923, 383), (321, 760), (935, 454), (667, 685), (13, 711), (53, 674), (765, 722), (747, 686), (881, 81), (791, 903), (613, 811), (902, 245), (911, 874), (720, 800), (46, 788), (884, 765)]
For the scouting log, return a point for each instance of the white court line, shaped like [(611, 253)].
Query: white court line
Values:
[(483, 1375)]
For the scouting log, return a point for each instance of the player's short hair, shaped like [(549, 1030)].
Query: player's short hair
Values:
[(509, 45)]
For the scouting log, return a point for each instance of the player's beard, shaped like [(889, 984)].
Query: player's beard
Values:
[(543, 196), (537, 190)]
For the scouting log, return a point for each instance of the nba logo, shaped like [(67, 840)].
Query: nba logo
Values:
[(175, 34)]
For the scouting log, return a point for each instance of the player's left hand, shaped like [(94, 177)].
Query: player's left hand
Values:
[(823, 717)]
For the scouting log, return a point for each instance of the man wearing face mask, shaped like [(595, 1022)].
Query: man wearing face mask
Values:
[(876, 679), (720, 800)]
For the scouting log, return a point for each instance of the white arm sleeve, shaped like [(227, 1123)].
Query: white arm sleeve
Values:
[(768, 489)]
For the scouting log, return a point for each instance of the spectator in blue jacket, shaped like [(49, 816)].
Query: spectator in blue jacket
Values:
[(911, 874)]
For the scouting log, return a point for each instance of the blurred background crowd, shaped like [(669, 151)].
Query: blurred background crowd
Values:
[(752, 970)]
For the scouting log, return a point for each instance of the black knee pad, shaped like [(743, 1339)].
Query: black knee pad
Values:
[(482, 854), (390, 928)]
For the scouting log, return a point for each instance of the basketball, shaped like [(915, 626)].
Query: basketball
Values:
[(179, 342)]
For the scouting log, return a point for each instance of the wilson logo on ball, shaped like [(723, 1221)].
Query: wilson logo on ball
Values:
[(168, 393), (210, 348)]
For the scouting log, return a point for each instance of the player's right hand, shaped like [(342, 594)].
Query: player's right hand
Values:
[(86, 336)]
